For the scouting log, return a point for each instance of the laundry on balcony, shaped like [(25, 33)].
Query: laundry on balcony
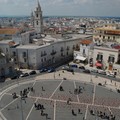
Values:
[(80, 58)]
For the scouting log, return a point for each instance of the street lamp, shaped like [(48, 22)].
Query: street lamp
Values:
[(54, 75), (21, 108), (91, 78)]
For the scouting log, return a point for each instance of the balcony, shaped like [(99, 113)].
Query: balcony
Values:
[(42, 55), (84, 55), (53, 52), (62, 50), (68, 48), (24, 56)]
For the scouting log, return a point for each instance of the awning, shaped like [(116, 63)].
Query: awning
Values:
[(98, 64), (80, 58)]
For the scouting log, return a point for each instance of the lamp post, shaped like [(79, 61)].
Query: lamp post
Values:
[(91, 78), (54, 75), (22, 117)]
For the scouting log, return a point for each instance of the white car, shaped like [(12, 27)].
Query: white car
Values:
[(110, 74), (102, 72), (94, 70)]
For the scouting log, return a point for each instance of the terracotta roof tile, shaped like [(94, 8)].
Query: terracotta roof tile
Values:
[(8, 31), (87, 42)]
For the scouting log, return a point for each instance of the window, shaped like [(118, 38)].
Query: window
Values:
[(108, 37), (24, 54), (62, 54), (73, 47), (99, 57), (111, 59), (103, 37), (25, 60), (113, 37), (62, 49), (68, 47), (45, 59), (83, 51), (67, 53), (6, 49), (37, 22), (41, 60), (14, 53), (15, 59), (36, 15), (41, 54)]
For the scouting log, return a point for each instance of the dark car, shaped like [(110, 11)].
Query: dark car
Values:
[(43, 70), (51, 70), (82, 67), (24, 75), (2, 78), (14, 77), (70, 70), (74, 66), (32, 73), (86, 71)]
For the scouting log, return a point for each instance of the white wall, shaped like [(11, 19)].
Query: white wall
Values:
[(106, 52)]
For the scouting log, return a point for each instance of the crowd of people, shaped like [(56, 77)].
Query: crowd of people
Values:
[(103, 113)]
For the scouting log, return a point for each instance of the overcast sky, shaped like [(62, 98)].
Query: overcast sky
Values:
[(61, 7)]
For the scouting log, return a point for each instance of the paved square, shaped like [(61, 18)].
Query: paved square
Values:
[(89, 103)]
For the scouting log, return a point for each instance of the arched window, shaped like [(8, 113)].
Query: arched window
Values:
[(37, 22)]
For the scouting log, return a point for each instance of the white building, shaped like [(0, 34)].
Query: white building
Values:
[(83, 54), (5, 47), (108, 33), (106, 57), (6, 67), (51, 52)]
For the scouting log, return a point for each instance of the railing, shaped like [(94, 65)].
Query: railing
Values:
[(43, 54), (53, 52), (62, 50)]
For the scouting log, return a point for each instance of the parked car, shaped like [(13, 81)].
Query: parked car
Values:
[(94, 70), (65, 67), (100, 84), (43, 70), (14, 77), (51, 70), (2, 78), (74, 66), (110, 74), (70, 70), (82, 67), (24, 75), (32, 72), (102, 72), (86, 71)]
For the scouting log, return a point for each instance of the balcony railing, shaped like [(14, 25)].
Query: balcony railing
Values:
[(62, 50), (53, 52), (24, 56), (42, 55), (67, 48)]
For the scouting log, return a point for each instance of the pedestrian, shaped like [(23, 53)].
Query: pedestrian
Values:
[(78, 111)]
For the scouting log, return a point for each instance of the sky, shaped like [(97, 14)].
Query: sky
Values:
[(61, 7)]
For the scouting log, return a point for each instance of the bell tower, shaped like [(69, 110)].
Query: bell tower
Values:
[(38, 20)]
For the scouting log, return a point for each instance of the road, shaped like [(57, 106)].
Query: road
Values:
[(77, 70)]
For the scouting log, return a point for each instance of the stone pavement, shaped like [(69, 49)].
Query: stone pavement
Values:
[(80, 77)]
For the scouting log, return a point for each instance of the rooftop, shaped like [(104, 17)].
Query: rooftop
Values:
[(31, 46), (87, 42), (8, 31)]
